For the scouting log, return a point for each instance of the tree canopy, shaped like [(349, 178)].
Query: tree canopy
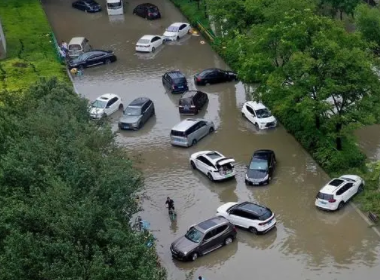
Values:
[(67, 193)]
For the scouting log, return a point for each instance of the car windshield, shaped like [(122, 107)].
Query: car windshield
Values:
[(325, 196), (185, 101), (179, 80), (263, 113), (99, 104), (259, 164), (132, 111), (152, 10), (75, 47), (143, 41), (194, 235), (172, 28)]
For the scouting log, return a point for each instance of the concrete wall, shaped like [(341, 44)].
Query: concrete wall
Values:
[(3, 45)]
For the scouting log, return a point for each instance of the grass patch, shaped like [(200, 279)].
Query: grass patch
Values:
[(31, 53)]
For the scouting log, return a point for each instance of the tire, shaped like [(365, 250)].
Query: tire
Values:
[(194, 142), (153, 49), (340, 206), (253, 230), (211, 130), (228, 240), (246, 182), (194, 256), (177, 38), (80, 67), (108, 61), (242, 114), (361, 188), (104, 116), (121, 107), (193, 165), (257, 126), (210, 177)]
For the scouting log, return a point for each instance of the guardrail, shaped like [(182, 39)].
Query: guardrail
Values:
[(206, 31)]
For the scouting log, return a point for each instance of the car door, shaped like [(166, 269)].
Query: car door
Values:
[(144, 112), (342, 193), (203, 164), (111, 106), (182, 30), (202, 99), (220, 76), (208, 242), (157, 41), (350, 191), (235, 217), (94, 59), (271, 165), (251, 116), (203, 129)]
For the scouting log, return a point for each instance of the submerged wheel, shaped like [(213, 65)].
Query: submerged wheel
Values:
[(194, 142), (253, 230), (228, 240), (194, 256), (210, 177), (193, 165), (341, 204), (153, 49), (211, 130)]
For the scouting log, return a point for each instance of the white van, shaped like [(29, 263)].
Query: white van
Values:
[(115, 7), (77, 46)]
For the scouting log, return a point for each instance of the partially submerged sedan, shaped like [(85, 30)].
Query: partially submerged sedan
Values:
[(176, 31), (214, 76), (149, 43), (213, 164)]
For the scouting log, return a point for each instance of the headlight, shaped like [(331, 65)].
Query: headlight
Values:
[(265, 178), (246, 176), (135, 124), (185, 253)]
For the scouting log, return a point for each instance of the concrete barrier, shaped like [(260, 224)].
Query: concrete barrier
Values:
[(3, 44)]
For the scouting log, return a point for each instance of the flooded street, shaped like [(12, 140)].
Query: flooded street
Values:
[(307, 244)]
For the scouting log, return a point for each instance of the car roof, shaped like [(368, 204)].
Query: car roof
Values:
[(140, 101), (76, 40), (149, 37), (190, 93), (107, 96), (210, 223), (252, 208), (178, 24), (148, 5), (262, 153), (213, 155), (186, 124), (333, 185), (176, 74), (255, 105)]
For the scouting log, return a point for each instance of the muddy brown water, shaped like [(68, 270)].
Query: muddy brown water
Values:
[(307, 243)]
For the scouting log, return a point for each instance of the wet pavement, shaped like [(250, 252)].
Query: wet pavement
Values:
[(307, 244)]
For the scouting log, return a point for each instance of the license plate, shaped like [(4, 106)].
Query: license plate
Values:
[(269, 222), (126, 126), (323, 202), (254, 183), (180, 87)]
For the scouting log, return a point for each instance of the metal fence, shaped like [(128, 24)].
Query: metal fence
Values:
[(3, 43)]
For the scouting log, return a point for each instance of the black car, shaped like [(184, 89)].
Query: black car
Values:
[(214, 76), (92, 58), (192, 102), (260, 169), (175, 81), (89, 6), (148, 11), (203, 238), (137, 113)]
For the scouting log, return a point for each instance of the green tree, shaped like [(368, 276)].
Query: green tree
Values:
[(368, 24), (342, 6), (67, 194)]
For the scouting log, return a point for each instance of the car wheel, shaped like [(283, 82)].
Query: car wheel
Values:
[(361, 188), (194, 142), (104, 116), (80, 67), (121, 106), (108, 61), (257, 126), (340, 206), (253, 230), (153, 49), (228, 240), (193, 165), (211, 130), (210, 177), (247, 182), (242, 114), (194, 256), (177, 38)]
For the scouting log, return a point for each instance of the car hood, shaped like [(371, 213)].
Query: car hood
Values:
[(170, 34), (96, 111), (183, 244), (267, 120), (129, 119), (225, 207), (256, 174)]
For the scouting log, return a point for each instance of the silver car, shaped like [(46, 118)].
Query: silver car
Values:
[(188, 132), (137, 113)]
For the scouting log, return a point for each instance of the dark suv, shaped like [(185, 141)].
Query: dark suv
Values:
[(175, 81), (203, 238), (260, 169), (137, 113), (192, 102)]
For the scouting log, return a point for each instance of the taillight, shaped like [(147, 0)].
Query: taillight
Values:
[(173, 87), (261, 224), (199, 79), (149, 14), (332, 200), (192, 106), (235, 230)]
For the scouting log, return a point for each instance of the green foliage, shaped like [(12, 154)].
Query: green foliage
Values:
[(66, 193), (30, 51), (341, 6), (368, 24), (194, 11)]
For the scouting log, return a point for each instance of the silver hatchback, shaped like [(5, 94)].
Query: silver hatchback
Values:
[(188, 132)]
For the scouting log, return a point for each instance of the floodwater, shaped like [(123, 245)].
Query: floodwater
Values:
[(307, 244)]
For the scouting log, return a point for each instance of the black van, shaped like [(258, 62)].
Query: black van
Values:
[(175, 81), (192, 101)]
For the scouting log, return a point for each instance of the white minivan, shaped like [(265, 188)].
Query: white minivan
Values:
[(115, 7)]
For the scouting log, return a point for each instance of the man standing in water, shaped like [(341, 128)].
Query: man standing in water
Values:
[(170, 204)]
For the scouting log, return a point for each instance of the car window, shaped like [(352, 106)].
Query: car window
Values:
[(205, 73), (156, 39), (172, 28), (324, 196), (182, 26), (178, 133), (263, 113), (190, 130), (133, 111), (204, 160), (220, 229), (112, 101), (202, 124), (258, 164), (209, 235), (143, 41), (194, 235), (250, 110), (99, 104)]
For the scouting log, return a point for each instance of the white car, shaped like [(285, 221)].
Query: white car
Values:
[(149, 43), (176, 31), (339, 191), (215, 165), (259, 115), (254, 217), (105, 105)]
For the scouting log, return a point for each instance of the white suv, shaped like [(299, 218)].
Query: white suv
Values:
[(105, 105), (213, 164), (255, 218), (259, 115), (339, 191)]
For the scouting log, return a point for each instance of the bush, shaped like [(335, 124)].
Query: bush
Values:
[(30, 51)]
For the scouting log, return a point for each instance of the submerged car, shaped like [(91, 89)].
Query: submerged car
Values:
[(137, 113), (188, 132), (213, 164), (203, 238), (105, 105), (214, 76), (192, 102), (259, 115), (254, 217), (147, 10), (92, 58), (261, 167), (175, 81), (149, 43), (336, 193), (89, 6), (176, 31)]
